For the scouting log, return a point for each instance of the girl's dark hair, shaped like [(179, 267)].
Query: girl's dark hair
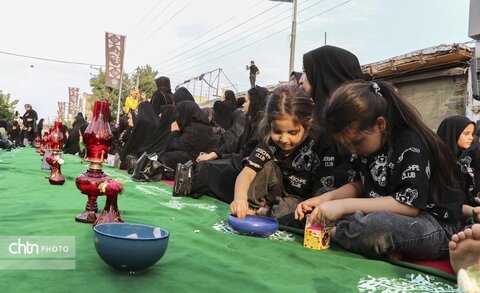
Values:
[(287, 100), (357, 105)]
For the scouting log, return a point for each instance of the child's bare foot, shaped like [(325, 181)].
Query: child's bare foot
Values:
[(465, 248)]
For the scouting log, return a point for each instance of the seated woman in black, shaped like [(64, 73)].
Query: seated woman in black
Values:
[(191, 134), (164, 108), (142, 130), (224, 109), (71, 145)]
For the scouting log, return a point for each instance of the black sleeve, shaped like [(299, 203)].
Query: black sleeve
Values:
[(259, 157)]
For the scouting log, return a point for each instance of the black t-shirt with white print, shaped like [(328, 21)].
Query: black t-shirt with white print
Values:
[(310, 166), (405, 175)]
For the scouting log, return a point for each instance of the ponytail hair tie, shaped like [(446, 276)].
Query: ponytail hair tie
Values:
[(375, 88)]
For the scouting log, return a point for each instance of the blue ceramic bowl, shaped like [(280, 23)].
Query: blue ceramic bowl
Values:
[(130, 247), (253, 225)]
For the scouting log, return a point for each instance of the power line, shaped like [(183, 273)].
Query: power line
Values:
[(269, 36), (51, 60), (209, 51), (228, 30), (221, 24), (153, 19), (165, 23), (145, 16)]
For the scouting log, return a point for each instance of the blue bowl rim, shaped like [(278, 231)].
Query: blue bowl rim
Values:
[(131, 224)]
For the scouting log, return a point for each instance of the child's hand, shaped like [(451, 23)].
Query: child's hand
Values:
[(326, 212), (306, 206), (239, 208)]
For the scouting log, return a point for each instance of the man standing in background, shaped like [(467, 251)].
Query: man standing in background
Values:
[(253, 73), (29, 120)]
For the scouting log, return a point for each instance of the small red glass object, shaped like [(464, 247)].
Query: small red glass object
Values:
[(45, 143), (97, 139), (38, 143), (56, 142)]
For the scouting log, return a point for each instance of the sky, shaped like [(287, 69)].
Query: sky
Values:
[(182, 39)]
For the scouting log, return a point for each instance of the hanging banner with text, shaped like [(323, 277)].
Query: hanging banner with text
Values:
[(114, 51), (61, 110), (72, 100)]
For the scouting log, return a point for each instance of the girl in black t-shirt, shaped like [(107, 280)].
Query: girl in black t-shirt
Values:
[(289, 165), (405, 202)]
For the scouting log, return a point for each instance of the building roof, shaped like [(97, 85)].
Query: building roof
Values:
[(420, 59)]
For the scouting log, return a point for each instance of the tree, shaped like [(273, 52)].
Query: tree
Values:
[(146, 77), (6, 107), (100, 92)]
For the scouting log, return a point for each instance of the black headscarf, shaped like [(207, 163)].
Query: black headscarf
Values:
[(450, 130), (258, 100), (188, 112), (143, 128), (163, 95), (327, 68), (40, 127), (224, 109), (182, 94), (71, 144)]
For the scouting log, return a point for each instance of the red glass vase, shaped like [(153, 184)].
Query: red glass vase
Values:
[(38, 143), (56, 177), (88, 183), (98, 136), (45, 143), (97, 139), (54, 160), (56, 137)]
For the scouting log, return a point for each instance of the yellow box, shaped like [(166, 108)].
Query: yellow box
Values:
[(316, 237)]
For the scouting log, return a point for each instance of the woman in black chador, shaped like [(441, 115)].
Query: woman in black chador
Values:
[(162, 102), (326, 68), (163, 95), (224, 109), (145, 124), (79, 126), (194, 135)]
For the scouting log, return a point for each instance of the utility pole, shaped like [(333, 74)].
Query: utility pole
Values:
[(293, 35), (293, 38)]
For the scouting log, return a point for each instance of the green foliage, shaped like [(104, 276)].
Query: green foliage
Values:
[(146, 77), (7, 107), (100, 92), (146, 80)]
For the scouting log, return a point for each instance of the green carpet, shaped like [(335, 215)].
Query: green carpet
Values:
[(202, 256)]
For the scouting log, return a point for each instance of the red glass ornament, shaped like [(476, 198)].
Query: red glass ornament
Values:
[(56, 142), (56, 137), (56, 177), (45, 143), (98, 136), (38, 143), (97, 139)]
